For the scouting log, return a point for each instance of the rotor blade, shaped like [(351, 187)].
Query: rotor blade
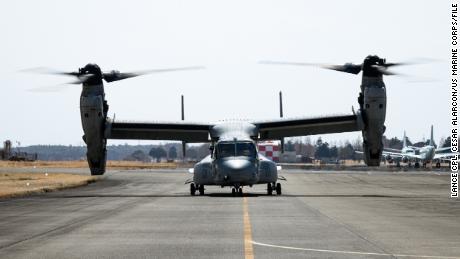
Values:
[(383, 69), (56, 88), (348, 68), (47, 70), (397, 64), (116, 75), (81, 79), (413, 61)]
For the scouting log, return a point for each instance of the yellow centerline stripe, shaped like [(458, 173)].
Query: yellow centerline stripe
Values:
[(248, 249)]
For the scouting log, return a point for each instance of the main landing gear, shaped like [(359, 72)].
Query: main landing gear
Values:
[(273, 186), (194, 188), (237, 190)]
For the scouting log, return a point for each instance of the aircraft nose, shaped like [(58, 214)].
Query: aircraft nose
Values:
[(238, 171), (238, 165)]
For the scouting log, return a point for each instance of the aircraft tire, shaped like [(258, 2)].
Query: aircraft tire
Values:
[(269, 189), (233, 192), (240, 191), (438, 165), (278, 189), (416, 165), (201, 189), (192, 189)]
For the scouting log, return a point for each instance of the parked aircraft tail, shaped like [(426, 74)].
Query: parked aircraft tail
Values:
[(404, 140)]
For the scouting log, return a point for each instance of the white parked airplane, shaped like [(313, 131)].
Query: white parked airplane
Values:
[(425, 154)]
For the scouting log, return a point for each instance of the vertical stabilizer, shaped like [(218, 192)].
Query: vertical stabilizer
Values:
[(404, 140)]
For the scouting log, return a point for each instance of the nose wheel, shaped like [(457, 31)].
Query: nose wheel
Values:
[(237, 191), (194, 188), (273, 186), (201, 189), (278, 189)]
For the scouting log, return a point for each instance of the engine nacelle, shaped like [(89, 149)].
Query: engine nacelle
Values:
[(93, 111), (373, 109)]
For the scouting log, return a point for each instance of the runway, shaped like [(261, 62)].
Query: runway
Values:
[(149, 214)]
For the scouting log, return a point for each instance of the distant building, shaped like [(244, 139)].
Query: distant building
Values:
[(7, 154)]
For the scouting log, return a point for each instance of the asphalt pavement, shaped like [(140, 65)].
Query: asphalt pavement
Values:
[(321, 214)]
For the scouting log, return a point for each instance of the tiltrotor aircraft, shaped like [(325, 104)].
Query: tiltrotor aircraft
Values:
[(234, 160)]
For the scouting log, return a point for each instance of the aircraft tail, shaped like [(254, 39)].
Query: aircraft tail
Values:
[(404, 140), (431, 138)]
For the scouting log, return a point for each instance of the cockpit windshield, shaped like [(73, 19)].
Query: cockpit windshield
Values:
[(229, 149)]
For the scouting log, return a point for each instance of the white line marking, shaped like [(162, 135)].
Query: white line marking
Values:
[(352, 252)]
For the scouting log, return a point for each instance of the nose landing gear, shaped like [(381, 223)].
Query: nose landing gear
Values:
[(273, 186), (194, 188), (278, 189), (237, 191)]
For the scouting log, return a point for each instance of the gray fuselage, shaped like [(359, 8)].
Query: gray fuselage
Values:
[(234, 159)]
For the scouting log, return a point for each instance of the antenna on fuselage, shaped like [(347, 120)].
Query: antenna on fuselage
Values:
[(281, 104), (431, 138), (184, 145), (281, 116), (182, 107)]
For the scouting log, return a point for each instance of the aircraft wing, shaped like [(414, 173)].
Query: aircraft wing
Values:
[(181, 131), (280, 128), (392, 150), (442, 149), (392, 154), (400, 155), (445, 156)]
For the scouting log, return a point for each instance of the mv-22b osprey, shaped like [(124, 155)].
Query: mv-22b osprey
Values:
[(234, 160)]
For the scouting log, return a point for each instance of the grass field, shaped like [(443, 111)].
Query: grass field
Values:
[(84, 164), (20, 184)]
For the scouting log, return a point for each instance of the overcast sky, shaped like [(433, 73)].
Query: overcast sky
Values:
[(229, 38)]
